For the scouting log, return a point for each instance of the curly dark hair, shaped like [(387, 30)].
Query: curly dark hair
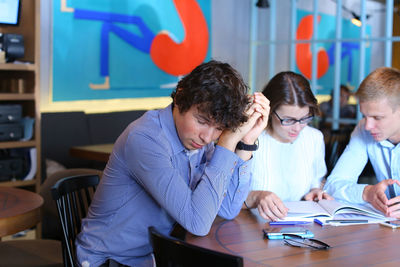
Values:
[(291, 89), (219, 92)]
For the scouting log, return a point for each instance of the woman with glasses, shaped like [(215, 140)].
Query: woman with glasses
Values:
[(289, 164)]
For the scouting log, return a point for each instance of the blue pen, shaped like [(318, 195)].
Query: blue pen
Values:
[(289, 223), (319, 222)]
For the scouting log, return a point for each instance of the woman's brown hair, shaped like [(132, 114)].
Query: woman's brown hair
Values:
[(289, 88)]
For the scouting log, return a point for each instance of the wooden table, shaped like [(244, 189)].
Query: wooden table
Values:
[(19, 210), (99, 152), (361, 245)]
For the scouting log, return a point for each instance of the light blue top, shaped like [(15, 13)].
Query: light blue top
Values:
[(384, 157), (152, 180)]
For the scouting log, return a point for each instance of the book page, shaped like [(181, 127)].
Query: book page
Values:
[(335, 208), (304, 209)]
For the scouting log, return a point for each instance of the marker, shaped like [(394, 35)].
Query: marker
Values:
[(318, 222), (289, 223), (346, 221)]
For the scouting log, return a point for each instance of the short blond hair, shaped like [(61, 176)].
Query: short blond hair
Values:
[(383, 82)]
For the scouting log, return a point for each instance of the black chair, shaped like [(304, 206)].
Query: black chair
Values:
[(172, 252), (336, 142), (73, 196), (51, 228)]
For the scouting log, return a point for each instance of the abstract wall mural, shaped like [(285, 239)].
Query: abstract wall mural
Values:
[(107, 49), (350, 53)]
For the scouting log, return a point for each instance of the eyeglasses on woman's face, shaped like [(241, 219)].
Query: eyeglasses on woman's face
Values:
[(299, 241), (291, 121)]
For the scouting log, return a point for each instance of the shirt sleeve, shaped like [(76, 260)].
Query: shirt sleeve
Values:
[(238, 189), (151, 163), (319, 166), (342, 182)]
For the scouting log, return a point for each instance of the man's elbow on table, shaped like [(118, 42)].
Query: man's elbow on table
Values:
[(199, 231)]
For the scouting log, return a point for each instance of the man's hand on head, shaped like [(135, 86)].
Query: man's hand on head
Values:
[(249, 131), (258, 118)]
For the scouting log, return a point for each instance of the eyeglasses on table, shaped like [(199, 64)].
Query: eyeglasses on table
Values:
[(299, 241)]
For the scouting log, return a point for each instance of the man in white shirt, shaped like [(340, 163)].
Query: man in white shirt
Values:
[(377, 138)]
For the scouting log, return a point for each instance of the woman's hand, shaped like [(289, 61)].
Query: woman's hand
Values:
[(317, 194), (269, 205)]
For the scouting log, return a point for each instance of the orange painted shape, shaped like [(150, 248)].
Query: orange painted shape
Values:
[(181, 58), (303, 51)]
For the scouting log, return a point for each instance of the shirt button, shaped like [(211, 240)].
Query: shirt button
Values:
[(224, 194)]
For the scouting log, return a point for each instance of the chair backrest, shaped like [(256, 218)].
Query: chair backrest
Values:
[(172, 252), (337, 141), (51, 228), (73, 196)]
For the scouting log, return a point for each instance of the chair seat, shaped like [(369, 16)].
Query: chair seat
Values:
[(26, 253)]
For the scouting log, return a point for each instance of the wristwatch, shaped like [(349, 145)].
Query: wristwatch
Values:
[(243, 146)]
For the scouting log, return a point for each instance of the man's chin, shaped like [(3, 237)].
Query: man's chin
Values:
[(378, 138)]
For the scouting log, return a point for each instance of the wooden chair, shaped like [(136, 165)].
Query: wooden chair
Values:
[(172, 252), (51, 227), (73, 196)]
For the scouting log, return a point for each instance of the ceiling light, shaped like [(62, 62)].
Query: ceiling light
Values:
[(262, 4)]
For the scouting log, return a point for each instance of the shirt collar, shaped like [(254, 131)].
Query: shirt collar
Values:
[(168, 125), (388, 144)]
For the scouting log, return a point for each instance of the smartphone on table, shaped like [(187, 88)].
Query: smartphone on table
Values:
[(279, 232), (392, 224)]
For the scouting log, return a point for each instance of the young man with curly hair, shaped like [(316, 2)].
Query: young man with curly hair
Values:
[(186, 164)]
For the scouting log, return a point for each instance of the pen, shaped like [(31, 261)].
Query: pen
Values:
[(318, 222), (289, 223), (346, 221)]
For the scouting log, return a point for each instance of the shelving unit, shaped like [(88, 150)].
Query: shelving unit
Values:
[(27, 69)]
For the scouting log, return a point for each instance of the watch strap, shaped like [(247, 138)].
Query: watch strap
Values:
[(242, 146)]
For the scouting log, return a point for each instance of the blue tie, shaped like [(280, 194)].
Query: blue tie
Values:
[(392, 194)]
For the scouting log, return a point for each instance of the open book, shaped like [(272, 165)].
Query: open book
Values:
[(332, 209)]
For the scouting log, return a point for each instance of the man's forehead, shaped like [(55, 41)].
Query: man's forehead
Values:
[(200, 113), (379, 105), (380, 101), (203, 116)]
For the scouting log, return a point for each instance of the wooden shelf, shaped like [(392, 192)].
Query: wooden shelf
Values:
[(20, 85), (17, 144), (16, 67), (18, 183), (16, 96)]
